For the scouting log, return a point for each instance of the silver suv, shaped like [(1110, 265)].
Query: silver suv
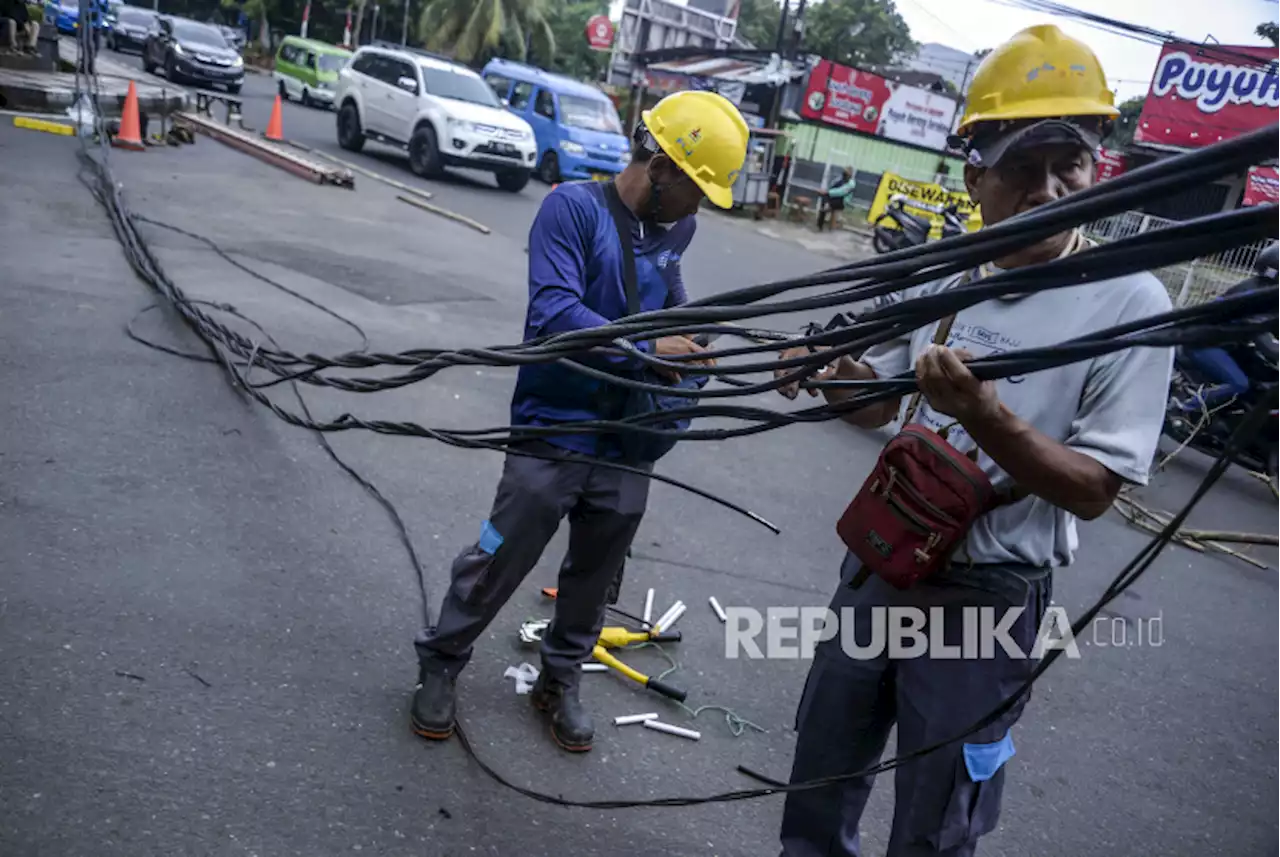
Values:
[(443, 113)]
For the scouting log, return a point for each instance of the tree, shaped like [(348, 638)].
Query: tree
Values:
[(573, 56), (882, 40), (473, 31), (1126, 123), (758, 22), (260, 11), (1268, 30), (359, 23)]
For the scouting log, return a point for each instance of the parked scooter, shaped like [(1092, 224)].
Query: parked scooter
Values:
[(913, 229), (1258, 359)]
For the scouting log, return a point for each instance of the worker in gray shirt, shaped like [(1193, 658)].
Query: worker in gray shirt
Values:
[(1068, 438)]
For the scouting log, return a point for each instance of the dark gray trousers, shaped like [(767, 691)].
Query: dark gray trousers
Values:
[(604, 507), (942, 805)]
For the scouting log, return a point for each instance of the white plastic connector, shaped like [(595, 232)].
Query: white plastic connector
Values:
[(627, 719), (666, 623), (673, 730), (665, 620)]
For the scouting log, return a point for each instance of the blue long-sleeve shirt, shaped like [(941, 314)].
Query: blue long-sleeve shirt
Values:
[(576, 282)]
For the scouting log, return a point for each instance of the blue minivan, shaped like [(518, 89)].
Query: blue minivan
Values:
[(576, 126)]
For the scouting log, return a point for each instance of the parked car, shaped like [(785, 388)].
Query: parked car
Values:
[(576, 125), (308, 70), (442, 112), (192, 52), (131, 28)]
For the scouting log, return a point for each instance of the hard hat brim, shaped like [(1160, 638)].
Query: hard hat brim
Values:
[(1045, 132), (1047, 108), (721, 197)]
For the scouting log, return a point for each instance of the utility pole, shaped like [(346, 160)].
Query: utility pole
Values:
[(799, 31), (373, 27), (638, 65), (404, 27), (782, 27), (968, 67)]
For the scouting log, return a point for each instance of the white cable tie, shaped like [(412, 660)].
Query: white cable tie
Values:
[(594, 668), (672, 730), (627, 719), (648, 606), (715, 605)]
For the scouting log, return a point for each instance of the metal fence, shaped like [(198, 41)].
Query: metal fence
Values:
[(1188, 283)]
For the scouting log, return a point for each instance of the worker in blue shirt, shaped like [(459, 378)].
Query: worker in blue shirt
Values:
[(833, 199), (691, 145)]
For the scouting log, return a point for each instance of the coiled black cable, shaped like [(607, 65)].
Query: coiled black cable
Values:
[(902, 270)]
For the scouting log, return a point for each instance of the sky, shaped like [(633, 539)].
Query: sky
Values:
[(971, 25)]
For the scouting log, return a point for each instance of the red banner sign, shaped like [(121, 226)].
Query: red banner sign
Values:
[(855, 99), (1262, 186), (1201, 95), (599, 32), (1111, 163)]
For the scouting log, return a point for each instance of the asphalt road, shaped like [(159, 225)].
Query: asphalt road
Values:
[(205, 642)]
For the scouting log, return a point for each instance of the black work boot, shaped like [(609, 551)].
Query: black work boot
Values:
[(434, 704), (570, 724)]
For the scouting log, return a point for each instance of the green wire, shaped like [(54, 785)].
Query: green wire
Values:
[(737, 724)]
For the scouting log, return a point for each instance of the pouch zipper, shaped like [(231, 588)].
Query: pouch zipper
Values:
[(916, 497), (907, 515), (929, 443)]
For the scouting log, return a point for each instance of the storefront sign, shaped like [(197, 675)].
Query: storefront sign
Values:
[(1111, 163), (861, 101), (599, 32), (928, 193), (1201, 95), (1262, 186)]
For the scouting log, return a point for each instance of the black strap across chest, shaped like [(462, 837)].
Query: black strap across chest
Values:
[(622, 223)]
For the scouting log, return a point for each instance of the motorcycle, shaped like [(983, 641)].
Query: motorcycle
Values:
[(1258, 359), (913, 229)]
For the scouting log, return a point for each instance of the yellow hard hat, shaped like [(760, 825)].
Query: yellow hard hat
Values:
[(706, 136), (1040, 73)]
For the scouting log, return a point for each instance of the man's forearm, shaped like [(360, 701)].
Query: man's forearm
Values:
[(1041, 465)]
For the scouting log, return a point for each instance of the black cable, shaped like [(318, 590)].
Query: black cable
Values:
[(373, 491), (1117, 194), (216, 248), (1201, 237), (147, 267)]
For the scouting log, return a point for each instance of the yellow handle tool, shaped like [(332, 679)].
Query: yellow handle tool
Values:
[(615, 636), (635, 675)]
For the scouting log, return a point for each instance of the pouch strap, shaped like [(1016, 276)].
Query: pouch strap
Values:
[(938, 339)]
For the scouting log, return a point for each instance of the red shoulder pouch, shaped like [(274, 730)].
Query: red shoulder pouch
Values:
[(915, 507)]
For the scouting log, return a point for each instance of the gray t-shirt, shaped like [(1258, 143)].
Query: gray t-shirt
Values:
[(1110, 408)]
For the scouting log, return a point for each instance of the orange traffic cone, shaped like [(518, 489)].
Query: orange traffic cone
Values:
[(130, 136), (275, 128)]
